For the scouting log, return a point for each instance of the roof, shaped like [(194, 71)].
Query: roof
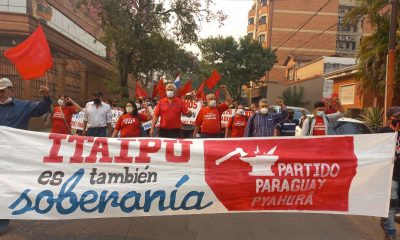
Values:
[(300, 58), (342, 72)]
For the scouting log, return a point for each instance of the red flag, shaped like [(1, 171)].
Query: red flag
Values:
[(200, 91), (140, 92), (161, 89), (217, 93), (213, 80), (187, 88), (32, 57), (155, 91)]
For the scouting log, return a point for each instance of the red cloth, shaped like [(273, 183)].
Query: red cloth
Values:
[(140, 92), (213, 80), (32, 57), (130, 125), (238, 126), (319, 128), (161, 90), (200, 91), (58, 124), (170, 113), (155, 91), (209, 119), (186, 89)]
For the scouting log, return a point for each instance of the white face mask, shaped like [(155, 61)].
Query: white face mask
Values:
[(138, 105), (170, 94), (212, 103), (6, 101), (60, 102), (320, 113), (129, 109), (240, 111), (264, 110)]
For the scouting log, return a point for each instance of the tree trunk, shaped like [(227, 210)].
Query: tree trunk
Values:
[(124, 70)]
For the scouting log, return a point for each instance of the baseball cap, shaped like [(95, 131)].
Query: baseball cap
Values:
[(5, 83), (393, 111)]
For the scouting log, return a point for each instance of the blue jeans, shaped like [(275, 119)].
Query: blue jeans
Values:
[(389, 223), (4, 224), (97, 132)]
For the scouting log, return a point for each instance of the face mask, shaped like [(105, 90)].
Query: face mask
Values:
[(320, 113), (170, 94), (240, 111), (138, 105), (60, 102), (395, 122), (212, 103), (6, 101), (129, 109), (97, 101), (264, 110)]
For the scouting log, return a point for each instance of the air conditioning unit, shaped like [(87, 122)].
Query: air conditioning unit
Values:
[(342, 45), (341, 37), (341, 49), (349, 37)]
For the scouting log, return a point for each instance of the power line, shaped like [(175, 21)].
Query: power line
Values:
[(303, 25), (314, 37)]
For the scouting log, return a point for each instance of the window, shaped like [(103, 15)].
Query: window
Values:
[(353, 45), (263, 2), (250, 35), (261, 38), (15, 6), (66, 26), (263, 20), (251, 21), (290, 76), (346, 94)]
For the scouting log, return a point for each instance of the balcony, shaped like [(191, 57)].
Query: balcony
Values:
[(263, 10), (262, 28), (250, 28), (252, 13)]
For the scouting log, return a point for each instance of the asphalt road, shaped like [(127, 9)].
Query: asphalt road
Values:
[(208, 227)]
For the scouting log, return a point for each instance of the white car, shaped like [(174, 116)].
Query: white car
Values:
[(344, 126)]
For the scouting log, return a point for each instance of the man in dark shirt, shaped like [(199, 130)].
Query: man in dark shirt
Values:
[(17, 113), (388, 224), (288, 127)]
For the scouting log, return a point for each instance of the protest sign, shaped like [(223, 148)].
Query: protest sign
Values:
[(77, 120), (52, 176), (195, 107), (115, 116)]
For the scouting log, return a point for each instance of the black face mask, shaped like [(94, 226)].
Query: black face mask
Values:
[(395, 122), (97, 101)]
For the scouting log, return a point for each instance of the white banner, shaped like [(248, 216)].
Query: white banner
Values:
[(51, 176), (195, 108)]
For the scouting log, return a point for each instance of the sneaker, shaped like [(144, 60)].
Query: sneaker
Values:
[(4, 225)]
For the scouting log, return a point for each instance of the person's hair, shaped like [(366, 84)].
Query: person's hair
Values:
[(263, 100), (319, 104), (171, 85), (135, 110)]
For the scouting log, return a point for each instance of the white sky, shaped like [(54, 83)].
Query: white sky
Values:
[(235, 25)]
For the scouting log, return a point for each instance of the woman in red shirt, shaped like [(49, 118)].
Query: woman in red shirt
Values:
[(62, 115), (130, 122)]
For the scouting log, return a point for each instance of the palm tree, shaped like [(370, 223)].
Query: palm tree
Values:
[(374, 48)]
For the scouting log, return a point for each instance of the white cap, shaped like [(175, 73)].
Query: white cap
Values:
[(5, 83)]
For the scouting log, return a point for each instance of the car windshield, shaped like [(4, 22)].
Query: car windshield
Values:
[(348, 128)]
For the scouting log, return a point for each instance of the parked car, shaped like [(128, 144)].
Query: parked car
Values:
[(348, 126), (297, 111)]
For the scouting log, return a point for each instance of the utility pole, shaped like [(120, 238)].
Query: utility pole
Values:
[(390, 66)]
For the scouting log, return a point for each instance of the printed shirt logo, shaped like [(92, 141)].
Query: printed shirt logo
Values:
[(281, 174)]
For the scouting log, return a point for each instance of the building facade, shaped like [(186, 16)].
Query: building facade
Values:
[(81, 62), (304, 27)]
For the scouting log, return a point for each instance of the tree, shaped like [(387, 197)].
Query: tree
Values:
[(130, 25), (294, 97), (374, 48), (239, 62)]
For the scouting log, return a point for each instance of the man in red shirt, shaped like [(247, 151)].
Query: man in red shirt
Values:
[(170, 110), (209, 118), (319, 123), (236, 124)]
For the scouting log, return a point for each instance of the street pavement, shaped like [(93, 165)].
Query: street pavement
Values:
[(246, 226)]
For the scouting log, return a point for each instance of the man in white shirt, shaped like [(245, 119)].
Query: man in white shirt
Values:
[(97, 117)]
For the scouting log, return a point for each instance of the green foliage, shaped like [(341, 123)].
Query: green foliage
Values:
[(373, 117), (293, 96), (374, 48), (142, 33), (239, 62)]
